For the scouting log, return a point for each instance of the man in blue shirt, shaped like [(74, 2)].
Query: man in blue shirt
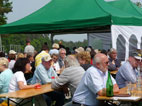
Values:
[(128, 71), (44, 74), (93, 83)]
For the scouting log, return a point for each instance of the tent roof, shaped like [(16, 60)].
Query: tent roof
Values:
[(60, 15), (123, 12), (76, 15)]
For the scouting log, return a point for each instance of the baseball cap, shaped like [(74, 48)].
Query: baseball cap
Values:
[(46, 58), (137, 55), (12, 52)]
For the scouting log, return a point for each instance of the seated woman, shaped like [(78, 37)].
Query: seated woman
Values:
[(18, 80), (5, 76), (84, 59)]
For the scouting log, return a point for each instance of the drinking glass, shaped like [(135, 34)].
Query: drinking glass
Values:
[(129, 87)]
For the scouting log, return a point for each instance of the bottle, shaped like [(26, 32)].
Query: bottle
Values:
[(109, 86)]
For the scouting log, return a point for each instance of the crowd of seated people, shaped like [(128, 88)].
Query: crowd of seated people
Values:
[(82, 73)]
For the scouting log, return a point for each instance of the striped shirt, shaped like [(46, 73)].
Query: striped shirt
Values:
[(71, 76)]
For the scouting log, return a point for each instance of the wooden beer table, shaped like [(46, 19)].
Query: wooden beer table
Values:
[(113, 72), (136, 95), (27, 93)]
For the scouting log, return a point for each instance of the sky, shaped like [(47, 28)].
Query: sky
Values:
[(22, 8)]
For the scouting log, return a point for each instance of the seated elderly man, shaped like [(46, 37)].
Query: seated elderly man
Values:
[(128, 71), (93, 83), (44, 73), (114, 63), (70, 76)]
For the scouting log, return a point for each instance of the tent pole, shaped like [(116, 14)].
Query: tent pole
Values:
[(0, 43), (88, 39), (52, 37)]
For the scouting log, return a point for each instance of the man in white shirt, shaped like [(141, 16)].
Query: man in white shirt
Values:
[(29, 48), (93, 83)]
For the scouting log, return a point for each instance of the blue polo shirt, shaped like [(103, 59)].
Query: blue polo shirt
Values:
[(43, 75)]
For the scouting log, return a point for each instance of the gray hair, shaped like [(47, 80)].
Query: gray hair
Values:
[(71, 61), (111, 50), (62, 49), (96, 60), (4, 62)]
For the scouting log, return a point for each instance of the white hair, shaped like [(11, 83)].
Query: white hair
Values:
[(62, 49), (71, 61), (96, 60)]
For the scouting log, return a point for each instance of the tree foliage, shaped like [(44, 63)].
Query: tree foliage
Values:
[(5, 7), (37, 40)]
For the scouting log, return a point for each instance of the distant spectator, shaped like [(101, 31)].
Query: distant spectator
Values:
[(114, 63), (68, 51), (73, 50), (61, 45), (54, 49), (20, 55), (29, 75), (88, 49), (104, 51), (80, 49), (12, 59), (92, 53), (29, 48), (56, 65), (62, 55), (43, 52), (5, 76), (2, 54)]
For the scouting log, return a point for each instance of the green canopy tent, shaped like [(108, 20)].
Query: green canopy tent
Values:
[(76, 15), (123, 12), (60, 15)]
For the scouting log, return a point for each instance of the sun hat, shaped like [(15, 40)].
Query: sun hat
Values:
[(80, 49), (55, 45), (12, 52)]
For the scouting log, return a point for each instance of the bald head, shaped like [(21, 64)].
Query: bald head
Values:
[(101, 62), (99, 57)]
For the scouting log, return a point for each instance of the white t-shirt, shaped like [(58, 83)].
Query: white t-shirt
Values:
[(18, 76), (29, 49), (11, 64), (57, 67)]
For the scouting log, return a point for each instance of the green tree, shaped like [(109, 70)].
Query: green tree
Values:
[(37, 40), (5, 7)]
